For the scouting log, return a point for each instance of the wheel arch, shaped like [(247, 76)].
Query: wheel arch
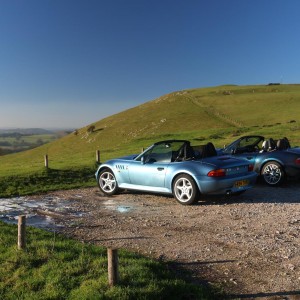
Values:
[(185, 173), (275, 175), (103, 167), (109, 185), (271, 160)]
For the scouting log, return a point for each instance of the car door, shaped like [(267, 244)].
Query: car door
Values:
[(150, 168), (148, 173), (251, 156)]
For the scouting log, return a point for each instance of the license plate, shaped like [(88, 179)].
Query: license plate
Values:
[(241, 183)]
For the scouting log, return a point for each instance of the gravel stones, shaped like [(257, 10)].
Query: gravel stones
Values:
[(249, 244)]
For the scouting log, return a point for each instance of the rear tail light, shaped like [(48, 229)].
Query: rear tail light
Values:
[(217, 173), (297, 161), (250, 168)]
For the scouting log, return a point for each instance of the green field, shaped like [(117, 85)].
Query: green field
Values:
[(54, 267), (218, 114), (17, 140), (20, 143)]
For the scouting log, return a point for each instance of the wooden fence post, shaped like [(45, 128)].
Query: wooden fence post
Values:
[(21, 232), (113, 266), (46, 160), (98, 156), (143, 149)]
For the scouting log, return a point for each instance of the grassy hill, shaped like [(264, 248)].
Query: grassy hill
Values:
[(218, 114)]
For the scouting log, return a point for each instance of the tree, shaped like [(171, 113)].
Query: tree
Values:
[(39, 142), (91, 128)]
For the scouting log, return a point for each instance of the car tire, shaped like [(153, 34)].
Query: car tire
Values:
[(107, 182), (185, 190), (273, 173)]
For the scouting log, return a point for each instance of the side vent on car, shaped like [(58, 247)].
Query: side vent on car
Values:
[(120, 167)]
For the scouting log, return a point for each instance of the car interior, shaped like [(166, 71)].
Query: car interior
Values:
[(272, 145), (184, 153), (268, 145), (188, 152)]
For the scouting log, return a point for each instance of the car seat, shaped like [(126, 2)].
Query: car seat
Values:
[(268, 145), (185, 152), (283, 144), (198, 151), (188, 152), (209, 150), (287, 142)]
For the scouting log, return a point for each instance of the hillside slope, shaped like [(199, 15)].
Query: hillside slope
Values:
[(218, 114)]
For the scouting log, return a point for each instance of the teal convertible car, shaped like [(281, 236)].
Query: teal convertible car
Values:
[(273, 160), (175, 167)]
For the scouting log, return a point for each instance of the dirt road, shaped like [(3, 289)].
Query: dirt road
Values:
[(249, 244)]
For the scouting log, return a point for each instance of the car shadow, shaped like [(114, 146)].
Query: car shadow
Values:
[(261, 193), (288, 192)]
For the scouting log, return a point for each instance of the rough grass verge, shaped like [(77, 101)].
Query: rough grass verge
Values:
[(55, 267), (46, 180)]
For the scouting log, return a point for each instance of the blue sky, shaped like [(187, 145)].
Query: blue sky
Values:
[(68, 63)]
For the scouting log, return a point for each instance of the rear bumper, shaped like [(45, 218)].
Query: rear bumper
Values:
[(292, 171), (225, 185)]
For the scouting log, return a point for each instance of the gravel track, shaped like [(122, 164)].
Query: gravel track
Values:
[(248, 244)]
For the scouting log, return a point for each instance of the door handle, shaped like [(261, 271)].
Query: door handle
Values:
[(160, 169), (249, 157)]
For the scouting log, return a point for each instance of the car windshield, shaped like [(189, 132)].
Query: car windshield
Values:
[(244, 144), (163, 152), (250, 141)]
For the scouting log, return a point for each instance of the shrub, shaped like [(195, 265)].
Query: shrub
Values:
[(91, 128)]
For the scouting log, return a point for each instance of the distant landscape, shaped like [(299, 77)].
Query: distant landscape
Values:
[(218, 114), (20, 139)]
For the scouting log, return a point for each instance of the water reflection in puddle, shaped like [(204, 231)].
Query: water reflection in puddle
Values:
[(112, 205), (124, 209), (39, 212)]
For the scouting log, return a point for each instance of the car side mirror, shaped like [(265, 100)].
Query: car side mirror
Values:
[(142, 160)]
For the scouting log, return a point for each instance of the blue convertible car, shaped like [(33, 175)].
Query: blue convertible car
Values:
[(273, 160), (175, 167)]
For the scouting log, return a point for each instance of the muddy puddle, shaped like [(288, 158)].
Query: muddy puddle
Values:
[(45, 212), (113, 205)]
